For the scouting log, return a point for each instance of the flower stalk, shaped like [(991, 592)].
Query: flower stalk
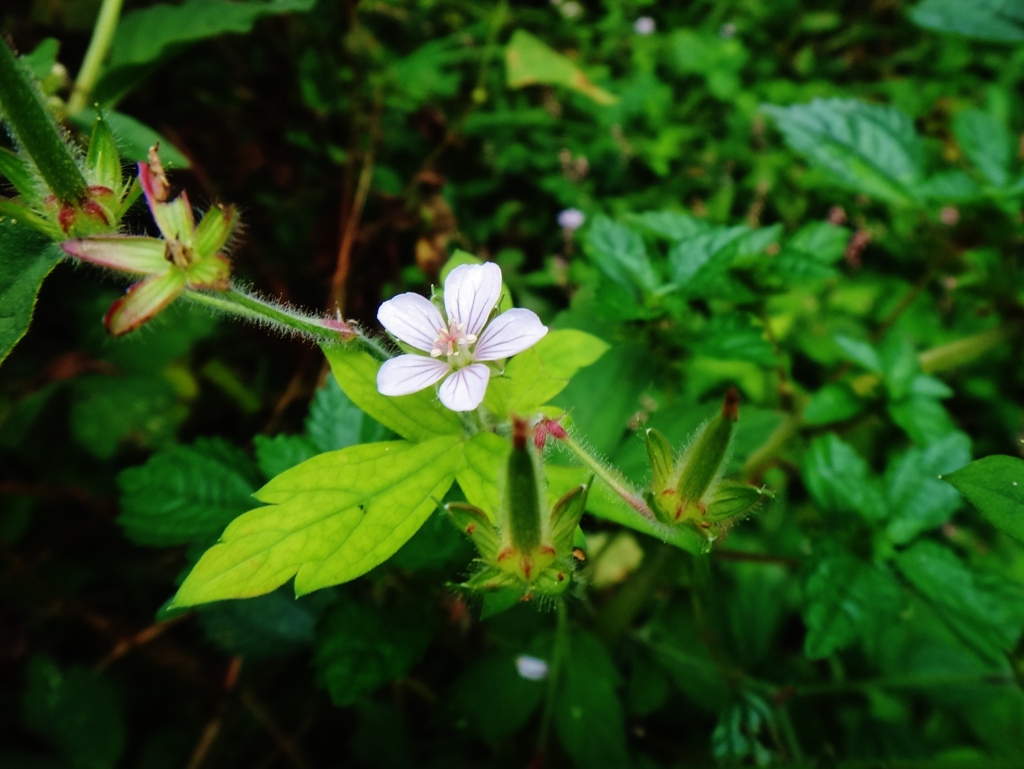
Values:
[(99, 46)]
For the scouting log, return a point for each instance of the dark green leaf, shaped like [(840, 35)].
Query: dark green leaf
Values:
[(995, 485), (77, 711), (832, 403), (186, 494), (924, 419), (698, 261), (847, 599), (840, 480), (335, 422), (27, 260), (282, 452), (266, 626), (588, 716), (986, 142), (495, 718), (619, 253), (360, 647)]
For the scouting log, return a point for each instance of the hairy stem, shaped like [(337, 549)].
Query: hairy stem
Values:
[(616, 482), (99, 46), (36, 130)]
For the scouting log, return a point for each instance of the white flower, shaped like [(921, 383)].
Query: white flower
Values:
[(531, 668), (644, 25), (457, 348), (571, 10), (571, 219)]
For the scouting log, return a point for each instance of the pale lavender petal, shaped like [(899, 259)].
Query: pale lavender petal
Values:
[(413, 319), (409, 374), (508, 334), (470, 293), (464, 390), (531, 668)]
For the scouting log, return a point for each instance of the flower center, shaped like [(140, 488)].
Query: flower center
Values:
[(451, 341)]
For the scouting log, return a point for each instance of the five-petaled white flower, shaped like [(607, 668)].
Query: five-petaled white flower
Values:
[(459, 347)]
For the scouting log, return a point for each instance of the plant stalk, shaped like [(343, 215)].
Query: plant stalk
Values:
[(99, 47), (613, 478)]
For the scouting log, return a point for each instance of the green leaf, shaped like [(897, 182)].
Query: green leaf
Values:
[(670, 224), (133, 138), (27, 260), (282, 452), (832, 403), (997, 20), (335, 422), (360, 647), (186, 494), (76, 711), (924, 419), (917, 499), (491, 718), (994, 485), (266, 626), (697, 261), (588, 715), (985, 610), (840, 480), (480, 472), (327, 521), (150, 34), (418, 417), (812, 251), (735, 336), (867, 148), (986, 143), (861, 353), (619, 253), (847, 599), (538, 374), (949, 187), (529, 61), (900, 366)]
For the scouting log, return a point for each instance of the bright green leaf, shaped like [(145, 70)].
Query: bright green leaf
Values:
[(619, 253), (538, 374), (418, 417), (327, 521), (529, 61)]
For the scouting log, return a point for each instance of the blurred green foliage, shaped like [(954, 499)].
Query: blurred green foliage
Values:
[(816, 201)]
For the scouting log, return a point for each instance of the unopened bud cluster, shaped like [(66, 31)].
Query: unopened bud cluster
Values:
[(524, 546), (688, 489)]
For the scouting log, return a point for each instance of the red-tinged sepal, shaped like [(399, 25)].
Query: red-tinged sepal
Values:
[(143, 301), (213, 273), (213, 231), (136, 255), (103, 162), (474, 523)]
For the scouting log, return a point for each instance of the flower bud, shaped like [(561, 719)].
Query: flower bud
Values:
[(689, 491)]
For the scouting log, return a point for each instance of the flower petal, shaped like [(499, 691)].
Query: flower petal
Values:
[(508, 334), (470, 293), (143, 300), (464, 390), (141, 256), (413, 319), (409, 374)]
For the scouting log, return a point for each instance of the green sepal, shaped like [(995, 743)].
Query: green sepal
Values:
[(704, 460), (565, 518), (214, 230), (474, 523), (22, 213), (524, 498), (20, 174), (659, 453), (552, 581), (732, 500), (491, 578), (103, 161)]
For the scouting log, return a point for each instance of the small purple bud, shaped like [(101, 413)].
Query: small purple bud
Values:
[(571, 219), (531, 668), (644, 25)]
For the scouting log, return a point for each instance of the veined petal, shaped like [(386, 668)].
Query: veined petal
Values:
[(413, 319), (409, 374), (470, 293), (508, 334), (464, 390), (143, 300), (214, 230), (138, 255)]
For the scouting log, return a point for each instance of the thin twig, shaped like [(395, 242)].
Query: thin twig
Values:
[(138, 640), (216, 723)]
